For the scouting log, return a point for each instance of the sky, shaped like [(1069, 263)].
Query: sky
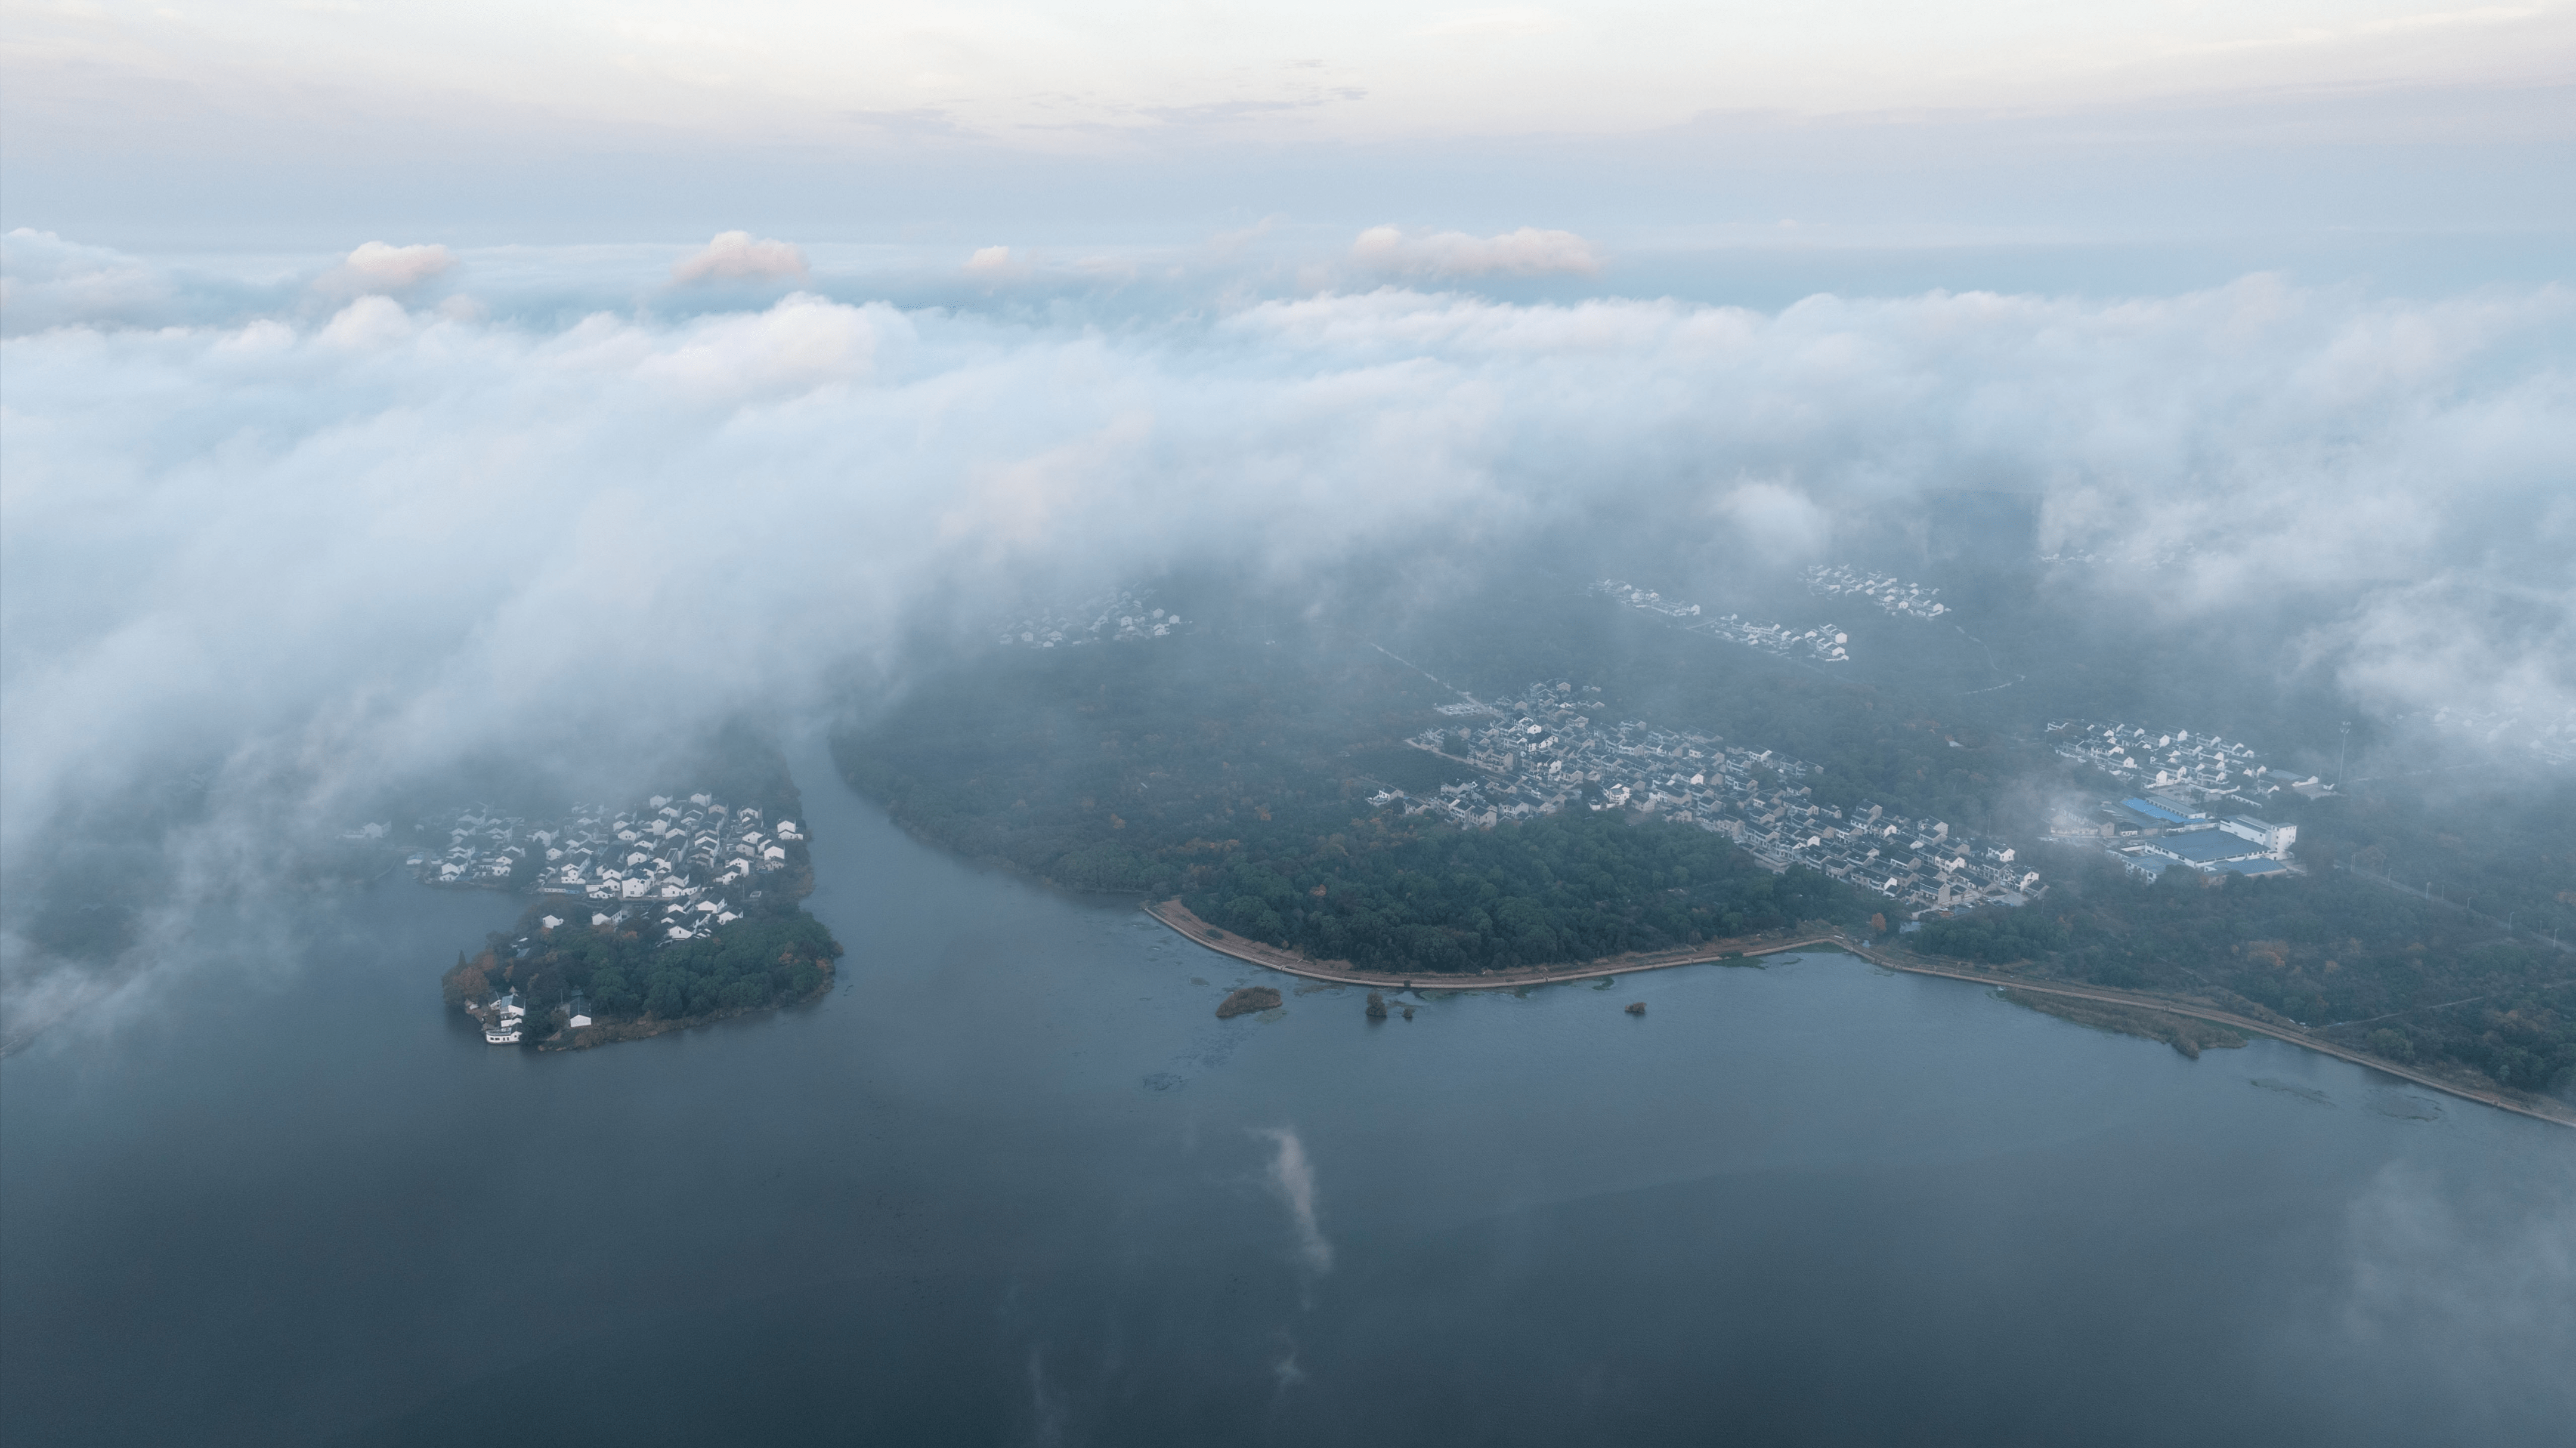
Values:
[(383, 386), (249, 125)]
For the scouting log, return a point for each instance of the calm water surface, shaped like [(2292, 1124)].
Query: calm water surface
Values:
[(1014, 1183)]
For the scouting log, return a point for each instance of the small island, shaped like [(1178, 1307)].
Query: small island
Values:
[(1246, 1001), (670, 912), (572, 985)]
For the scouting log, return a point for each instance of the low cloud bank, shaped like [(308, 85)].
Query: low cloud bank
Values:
[(737, 256), (1527, 252), (310, 553), (380, 266)]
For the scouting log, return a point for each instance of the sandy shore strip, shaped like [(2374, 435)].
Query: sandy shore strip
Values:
[(1341, 972)]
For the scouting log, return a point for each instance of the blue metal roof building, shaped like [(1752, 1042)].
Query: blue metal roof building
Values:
[(2259, 865), (2157, 811)]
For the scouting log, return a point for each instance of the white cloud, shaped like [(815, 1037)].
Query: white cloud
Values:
[(1777, 521), (306, 554), (995, 264), (379, 268), (1523, 253), (45, 280), (802, 343), (1479, 24), (367, 324), (735, 256)]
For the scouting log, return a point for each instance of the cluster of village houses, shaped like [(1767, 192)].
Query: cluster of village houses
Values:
[(1889, 592), (2192, 804), (1542, 752), (682, 860), (1111, 618), (1823, 643)]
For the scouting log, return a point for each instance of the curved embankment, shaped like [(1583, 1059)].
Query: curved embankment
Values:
[(1172, 913)]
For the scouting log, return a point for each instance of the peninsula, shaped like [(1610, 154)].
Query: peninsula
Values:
[(1599, 779)]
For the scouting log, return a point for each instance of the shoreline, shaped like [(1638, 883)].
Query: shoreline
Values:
[(645, 1028), (1179, 919)]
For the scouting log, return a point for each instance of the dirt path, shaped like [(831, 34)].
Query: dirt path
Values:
[(1341, 972)]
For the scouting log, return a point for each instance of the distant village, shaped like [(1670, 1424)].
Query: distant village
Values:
[(1823, 643), (2194, 802), (682, 860), (1542, 752), (1124, 617), (1886, 590)]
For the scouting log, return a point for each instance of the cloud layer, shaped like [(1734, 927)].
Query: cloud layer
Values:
[(378, 266), (1528, 252), (737, 256), (313, 551)]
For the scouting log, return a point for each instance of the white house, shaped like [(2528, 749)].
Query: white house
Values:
[(2275, 839)]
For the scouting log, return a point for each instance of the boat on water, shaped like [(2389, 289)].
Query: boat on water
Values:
[(505, 1033)]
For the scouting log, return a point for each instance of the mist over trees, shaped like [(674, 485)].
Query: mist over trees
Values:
[(271, 546)]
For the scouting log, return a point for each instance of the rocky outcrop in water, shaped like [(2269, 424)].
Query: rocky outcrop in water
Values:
[(1377, 1006), (1247, 1000), (1636, 1008)]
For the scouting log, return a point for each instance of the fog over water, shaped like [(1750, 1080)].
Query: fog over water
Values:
[(1012, 1182)]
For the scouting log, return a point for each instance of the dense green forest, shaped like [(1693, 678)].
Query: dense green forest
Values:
[(2375, 969), (1130, 767), (1233, 768), (626, 971), (1118, 768), (1238, 779), (1569, 886), (996, 756)]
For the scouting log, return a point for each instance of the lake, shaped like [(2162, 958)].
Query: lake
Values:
[(1013, 1182)]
